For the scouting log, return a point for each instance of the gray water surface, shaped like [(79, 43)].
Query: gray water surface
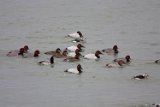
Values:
[(43, 24)]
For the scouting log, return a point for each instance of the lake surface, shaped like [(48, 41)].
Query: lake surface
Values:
[(43, 24)]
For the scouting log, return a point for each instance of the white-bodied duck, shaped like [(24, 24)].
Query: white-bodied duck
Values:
[(93, 56), (77, 70)]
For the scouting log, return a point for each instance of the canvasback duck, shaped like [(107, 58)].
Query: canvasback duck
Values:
[(73, 48), (140, 77), (47, 62), (61, 55), (73, 59), (113, 50), (73, 54), (77, 35), (157, 61), (77, 70), (57, 51), (30, 55), (93, 56), (125, 60), (115, 64)]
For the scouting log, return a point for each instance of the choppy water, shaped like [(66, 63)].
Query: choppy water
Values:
[(131, 24)]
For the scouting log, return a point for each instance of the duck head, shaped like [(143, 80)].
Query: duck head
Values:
[(128, 58), (80, 34), (115, 48), (26, 48), (79, 68), (36, 53), (58, 50), (97, 53)]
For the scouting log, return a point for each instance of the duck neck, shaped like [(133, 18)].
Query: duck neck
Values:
[(51, 60)]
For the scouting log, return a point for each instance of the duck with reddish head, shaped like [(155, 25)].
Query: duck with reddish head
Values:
[(51, 62), (113, 50), (76, 35), (16, 52), (73, 59), (73, 54), (125, 60), (93, 56), (30, 55), (57, 51), (77, 70), (73, 48)]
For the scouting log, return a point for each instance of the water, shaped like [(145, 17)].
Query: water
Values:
[(131, 24)]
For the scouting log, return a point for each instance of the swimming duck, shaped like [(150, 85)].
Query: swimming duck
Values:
[(57, 51), (73, 54), (140, 77), (155, 105), (115, 64), (13, 53), (93, 56), (125, 60), (77, 35), (113, 50), (73, 59), (17, 52), (157, 61), (73, 48), (30, 55), (77, 70), (47, 62), (61, 55)]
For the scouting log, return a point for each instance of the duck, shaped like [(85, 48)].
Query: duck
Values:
[(72, 59), (140, 77), (17, 52), (155, 105), (115, 64), (57, 51), (61, 55), (73, 54), (47, 62), (125, 60), (30, 55), (13, 53), (157, 61), (77, 70), (113, 50), (93, 56), (76, 35), (73, 48)]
